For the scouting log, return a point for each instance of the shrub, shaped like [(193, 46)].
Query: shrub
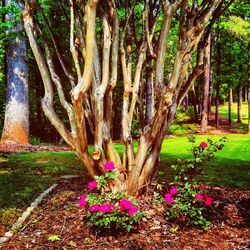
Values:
[(106, 209), (188, 201)]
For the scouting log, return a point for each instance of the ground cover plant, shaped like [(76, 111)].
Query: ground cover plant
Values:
[(109, 209)]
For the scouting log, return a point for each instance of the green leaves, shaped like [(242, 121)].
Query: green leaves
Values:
[(54, 237)]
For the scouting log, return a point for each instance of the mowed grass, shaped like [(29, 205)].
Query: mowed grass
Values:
[(223, 111), (25, 175), (231, 166)]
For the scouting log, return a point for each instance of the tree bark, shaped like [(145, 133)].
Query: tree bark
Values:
[(16, 121), (248, 130), (218, 74), (207, 71), (230, 103), (239, 104), (194, 104), (96, 77)]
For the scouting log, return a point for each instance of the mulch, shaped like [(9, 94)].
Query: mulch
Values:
[(16, 148), (59, 214)]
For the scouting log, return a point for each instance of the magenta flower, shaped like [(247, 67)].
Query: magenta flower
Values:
[(203, 145), (82, 201), (92, 185), (173, 191), (168, 199), (125, 205), (132, 211), (93, 208), (112, 207), (199, 197), (109, 166), (105, 208), (208, 201), (202, 186)]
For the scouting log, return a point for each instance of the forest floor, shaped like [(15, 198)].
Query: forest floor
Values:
[(59, 214)]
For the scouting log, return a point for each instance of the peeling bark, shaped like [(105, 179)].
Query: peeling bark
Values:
[(95, 58)]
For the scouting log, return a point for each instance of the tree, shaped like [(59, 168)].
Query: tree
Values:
[(207, 72), (238, 24), (16, 121), (145, 28)]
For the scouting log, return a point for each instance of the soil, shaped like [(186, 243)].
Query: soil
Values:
[(59, 214)]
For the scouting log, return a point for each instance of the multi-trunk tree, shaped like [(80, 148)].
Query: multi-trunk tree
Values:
[(126, 41)]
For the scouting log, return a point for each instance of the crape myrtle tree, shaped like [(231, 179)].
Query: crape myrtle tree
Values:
[(109, 40)]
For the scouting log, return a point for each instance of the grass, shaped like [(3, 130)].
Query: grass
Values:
[(25, 175), (223, 110), (231, 166)]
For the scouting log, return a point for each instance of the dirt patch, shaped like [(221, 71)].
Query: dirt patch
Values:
[(59, 214)]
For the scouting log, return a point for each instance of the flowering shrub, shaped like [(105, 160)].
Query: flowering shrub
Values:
[(105, 209), (186, 200)]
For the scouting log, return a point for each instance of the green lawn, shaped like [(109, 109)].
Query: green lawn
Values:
[(223, 110), (23, 176), (230, 168)]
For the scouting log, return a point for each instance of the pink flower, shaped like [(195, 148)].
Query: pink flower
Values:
[(106, 208), (132, 211), (173, 191), (82, 201), (168, 199), (203, 145), (93, 208), (125, 205), (109, 166), (208, 201), (202, 186), (92, 185), (112, 207), (199, 197)]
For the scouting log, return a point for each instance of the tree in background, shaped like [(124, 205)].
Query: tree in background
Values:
[(235, 33), (95, 41), (16, 121)]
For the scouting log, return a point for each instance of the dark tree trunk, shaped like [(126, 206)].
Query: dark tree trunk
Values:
[(218, 73), (204, 114), (230, 103), (16, 122), (239, 107), (194, 104), (248, 130)]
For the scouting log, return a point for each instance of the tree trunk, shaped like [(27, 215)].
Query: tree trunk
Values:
[(149, 93), (230, 103), (194, 104), (248, 130), (136, 169), (207, 69), (218, 73), (239, 106), (16, 122)]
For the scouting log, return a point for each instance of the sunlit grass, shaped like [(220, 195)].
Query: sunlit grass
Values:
[(223, 110)]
